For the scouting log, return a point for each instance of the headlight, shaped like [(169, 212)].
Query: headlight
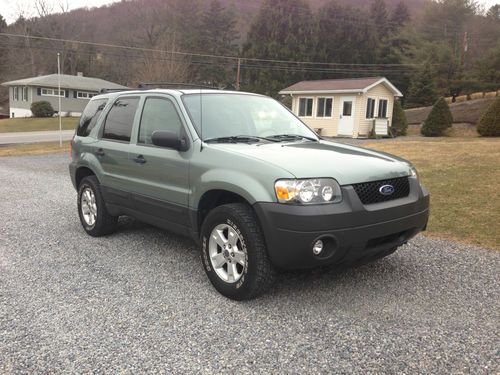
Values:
[(414, 172), (308, 191)]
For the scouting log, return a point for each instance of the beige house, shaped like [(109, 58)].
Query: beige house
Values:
[(344, 107)]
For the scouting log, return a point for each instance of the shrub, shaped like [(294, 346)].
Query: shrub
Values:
[(399, 123), (489, 123), (42, 109), (438, 121)]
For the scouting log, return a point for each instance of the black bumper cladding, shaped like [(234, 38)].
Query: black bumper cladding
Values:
[(351, 231)]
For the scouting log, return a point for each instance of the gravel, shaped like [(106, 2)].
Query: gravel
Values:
[(139, 300)]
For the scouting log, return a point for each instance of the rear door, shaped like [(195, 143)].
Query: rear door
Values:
[(113, 147), (160, 176)]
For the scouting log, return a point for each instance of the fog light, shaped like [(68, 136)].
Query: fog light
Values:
[(318, 247)]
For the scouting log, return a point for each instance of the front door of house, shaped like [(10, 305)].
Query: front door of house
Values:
[(346, 121)]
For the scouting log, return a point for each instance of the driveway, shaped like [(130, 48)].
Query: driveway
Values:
[(34, 137), (139, 300)]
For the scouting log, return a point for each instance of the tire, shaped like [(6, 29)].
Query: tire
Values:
[(252, 272), (103, 222)]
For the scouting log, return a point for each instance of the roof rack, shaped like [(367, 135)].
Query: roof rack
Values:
[(178, 85), (103, 91)]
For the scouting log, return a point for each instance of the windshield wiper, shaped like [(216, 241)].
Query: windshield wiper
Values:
[(238, 139), (289, 137)]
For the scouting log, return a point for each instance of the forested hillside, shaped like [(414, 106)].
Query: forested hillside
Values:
[(427, 48)]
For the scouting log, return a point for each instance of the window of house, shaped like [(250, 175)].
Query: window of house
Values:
[(90, 116), (347, 108), (382, 108), (25, 94), (158, 114), (370, 108), (15, 93), (84, 95), (324, 107), (305, 107), (120, 118), (53, 92)]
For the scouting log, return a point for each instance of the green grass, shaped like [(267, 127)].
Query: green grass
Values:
[(36, 124), (33, 148), (462, 175)]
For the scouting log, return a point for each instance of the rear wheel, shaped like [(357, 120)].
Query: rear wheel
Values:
[(92, 210), (234, 253)]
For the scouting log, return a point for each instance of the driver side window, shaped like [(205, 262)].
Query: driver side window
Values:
[(158, 114)]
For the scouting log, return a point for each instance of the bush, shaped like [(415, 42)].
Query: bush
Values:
[(438, 120), (42, 109), (489, 123), (399, 123)]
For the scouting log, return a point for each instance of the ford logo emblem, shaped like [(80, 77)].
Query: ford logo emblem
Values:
[(386, 189)]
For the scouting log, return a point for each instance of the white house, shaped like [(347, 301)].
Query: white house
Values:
[(344, 107)]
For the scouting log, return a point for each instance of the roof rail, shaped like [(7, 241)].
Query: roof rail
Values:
[(178, 85), (103, 91)]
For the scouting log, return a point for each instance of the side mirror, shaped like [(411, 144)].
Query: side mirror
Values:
[(168, 139)]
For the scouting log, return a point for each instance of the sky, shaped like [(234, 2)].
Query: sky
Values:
[(10, 9)]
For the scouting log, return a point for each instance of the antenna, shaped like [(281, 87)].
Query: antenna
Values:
[(201, 118)]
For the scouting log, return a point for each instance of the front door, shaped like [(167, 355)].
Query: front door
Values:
[(347, 111), (160, 177)]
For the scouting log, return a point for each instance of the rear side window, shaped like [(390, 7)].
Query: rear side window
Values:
[(158, 114), (120, 118), (90, 116)]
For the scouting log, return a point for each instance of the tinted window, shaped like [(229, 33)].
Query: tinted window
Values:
[(158, 114), (370, 108), (120, 119), (382, 108), (324, 107), (90, 116), (305, 107)]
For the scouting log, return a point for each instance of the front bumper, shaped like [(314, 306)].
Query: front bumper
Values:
[(351, 231)]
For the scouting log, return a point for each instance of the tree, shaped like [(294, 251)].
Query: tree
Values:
[(378, 13), (422, 91), (494, 12), (3, 23), (399, 122), (489, 123), (219, 38), (282, 30), (438, 121), (487, 69), (400, 16)]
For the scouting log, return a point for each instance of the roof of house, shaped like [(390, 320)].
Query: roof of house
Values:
[(67, 82), (347, 85)]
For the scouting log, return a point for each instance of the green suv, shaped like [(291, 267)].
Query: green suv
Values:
[(255, 187)]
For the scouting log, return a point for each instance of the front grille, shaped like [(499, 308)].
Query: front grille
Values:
[(368, 192)]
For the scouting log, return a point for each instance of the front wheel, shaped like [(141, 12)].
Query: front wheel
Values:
[(234, 253)]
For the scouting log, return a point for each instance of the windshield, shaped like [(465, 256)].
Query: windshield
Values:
[(232, 115)]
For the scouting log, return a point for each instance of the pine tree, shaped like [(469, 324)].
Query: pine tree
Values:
[(218, 38), (3, 24), (494, 12), (399, 122), (282, 30), (400, 16), (378, 13), (438, 121), (489, 123), (422, 91)]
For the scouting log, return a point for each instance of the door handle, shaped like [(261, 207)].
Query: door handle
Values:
[(100, 152), (140, 159)]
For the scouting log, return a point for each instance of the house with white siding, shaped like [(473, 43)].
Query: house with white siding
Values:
[(76, 91), (344, 107)]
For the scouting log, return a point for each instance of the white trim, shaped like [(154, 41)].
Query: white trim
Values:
[(353, 116), (88, 95), (312, 110), (386, 81), (317, 105), (23, 90), (374, 107), (53, 91), (313, 92), (15, 93)]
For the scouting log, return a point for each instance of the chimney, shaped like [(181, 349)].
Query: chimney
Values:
[(79, 74)]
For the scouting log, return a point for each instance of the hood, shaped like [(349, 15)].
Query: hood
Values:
[(347, 164)]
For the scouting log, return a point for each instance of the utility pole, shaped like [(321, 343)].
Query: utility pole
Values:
[(59, 96), (238, 75), (465, 48)]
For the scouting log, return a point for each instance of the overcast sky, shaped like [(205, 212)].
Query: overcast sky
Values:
[(10, 9)]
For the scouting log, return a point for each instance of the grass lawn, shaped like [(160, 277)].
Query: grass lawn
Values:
[(463, 177), (30, 124), (33, 149)]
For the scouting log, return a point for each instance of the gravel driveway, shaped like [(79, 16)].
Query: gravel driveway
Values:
[(139, 300)]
